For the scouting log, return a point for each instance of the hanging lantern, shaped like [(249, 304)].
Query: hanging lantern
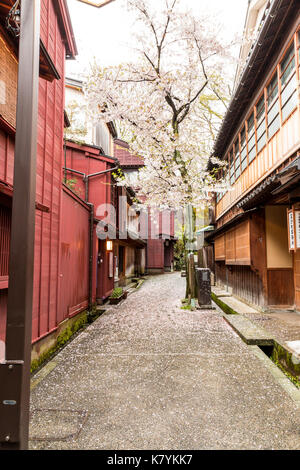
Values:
[(109, 245)]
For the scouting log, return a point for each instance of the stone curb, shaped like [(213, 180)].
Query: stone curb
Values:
[(253, 335), (250, 333)]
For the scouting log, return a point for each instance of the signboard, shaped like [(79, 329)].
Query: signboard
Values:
[(291, 230), (110, 264), (297, 227)]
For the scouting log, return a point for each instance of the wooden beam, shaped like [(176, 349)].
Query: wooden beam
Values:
[(97, 4), (4, 5)]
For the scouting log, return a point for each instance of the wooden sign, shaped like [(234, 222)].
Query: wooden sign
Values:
[(297, 228), (111, 264), (291, 230)]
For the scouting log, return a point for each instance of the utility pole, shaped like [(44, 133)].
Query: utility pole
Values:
[(15, 371)]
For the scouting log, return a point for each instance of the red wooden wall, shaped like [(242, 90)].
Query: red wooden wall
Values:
[(155, 254), (6, 157), (48, 189), (49, 163), (161, 223), (74, 257), (87, 160)]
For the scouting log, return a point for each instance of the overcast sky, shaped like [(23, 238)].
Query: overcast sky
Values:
[(105, 33)]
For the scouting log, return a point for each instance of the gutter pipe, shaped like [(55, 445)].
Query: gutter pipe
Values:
[(91, 243), (91, 223), (86, 177)]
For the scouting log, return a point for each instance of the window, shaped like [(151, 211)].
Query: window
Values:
[(231, 167), (260, 124), (243, 150), (278, 100), (219, 175), (287, 65), (218, 197), (251, 139), (237, 162), (273, 107), (102, 137), (288, 83)]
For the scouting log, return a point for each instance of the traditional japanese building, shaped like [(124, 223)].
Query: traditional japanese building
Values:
[(257, 221), (90, 167), (57, 44), (160, 230)]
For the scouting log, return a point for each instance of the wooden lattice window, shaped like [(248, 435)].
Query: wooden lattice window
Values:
[(251, 139), (273, 106), (261, 124), (288, 83)]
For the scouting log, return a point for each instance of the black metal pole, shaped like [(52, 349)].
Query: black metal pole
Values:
[(15, 371), (91, 250)]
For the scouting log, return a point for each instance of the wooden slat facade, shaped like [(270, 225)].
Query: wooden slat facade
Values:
[(242, 243), (273, 155), (220, 248), (234, 246), (280, 287), (244, 282), (280, 145), (297, 278), (250, 256), (48, 170)]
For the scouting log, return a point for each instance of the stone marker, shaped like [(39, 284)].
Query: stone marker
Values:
[(203, 287)]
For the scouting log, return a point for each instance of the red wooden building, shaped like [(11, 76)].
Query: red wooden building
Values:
[(73, 268), (161, 236), (89, 151), (57, 44), (90, 174)]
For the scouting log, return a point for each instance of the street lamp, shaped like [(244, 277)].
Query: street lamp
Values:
[(15, 369)]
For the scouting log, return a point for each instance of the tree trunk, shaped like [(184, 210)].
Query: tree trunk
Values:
[(191, 289)]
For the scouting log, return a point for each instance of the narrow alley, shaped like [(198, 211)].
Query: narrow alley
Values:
[(148, 374)]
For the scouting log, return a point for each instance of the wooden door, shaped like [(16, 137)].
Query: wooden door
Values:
[(297, 278), (101, 270)]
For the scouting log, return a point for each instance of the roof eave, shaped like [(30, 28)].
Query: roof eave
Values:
[(67, 28), (240, 89)]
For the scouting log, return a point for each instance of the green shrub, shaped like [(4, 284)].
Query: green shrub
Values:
[(179, 255), (117, 292)]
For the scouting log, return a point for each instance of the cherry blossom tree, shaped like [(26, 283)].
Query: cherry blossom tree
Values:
[(168, 103)]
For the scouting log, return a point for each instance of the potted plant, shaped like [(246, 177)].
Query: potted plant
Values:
[(117, 295)]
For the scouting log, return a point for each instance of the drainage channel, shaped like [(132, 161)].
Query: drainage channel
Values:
[(267, 350)]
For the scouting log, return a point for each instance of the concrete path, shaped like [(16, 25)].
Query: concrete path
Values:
[(283, 325), (149, 375)]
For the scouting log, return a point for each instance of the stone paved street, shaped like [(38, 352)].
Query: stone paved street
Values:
[(149, 375)]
